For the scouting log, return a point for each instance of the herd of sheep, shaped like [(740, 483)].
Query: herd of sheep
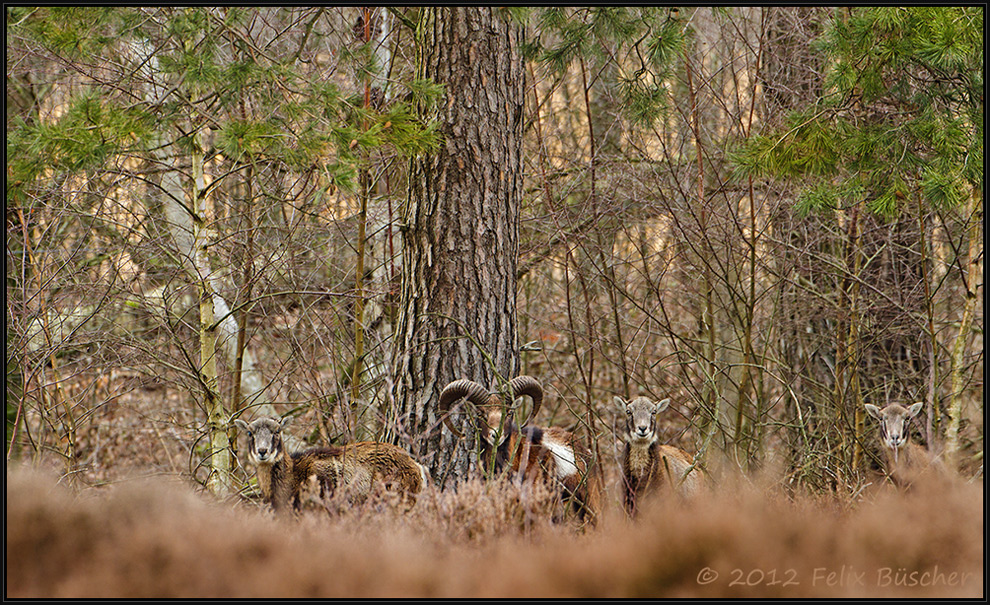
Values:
[(526, 453)]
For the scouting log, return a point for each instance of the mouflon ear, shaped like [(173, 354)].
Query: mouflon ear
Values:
[(915, 409), (661, 405), (873, 410), (620, 403)]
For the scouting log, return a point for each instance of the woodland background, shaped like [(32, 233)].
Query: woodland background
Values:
[(772, 215)]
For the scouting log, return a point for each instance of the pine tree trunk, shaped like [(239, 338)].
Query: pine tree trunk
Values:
[(457, 313)]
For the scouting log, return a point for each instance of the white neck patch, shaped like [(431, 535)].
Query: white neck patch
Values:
[(564, 455)]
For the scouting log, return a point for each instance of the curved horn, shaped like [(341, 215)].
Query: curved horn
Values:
[(461, 389), (527, 385)]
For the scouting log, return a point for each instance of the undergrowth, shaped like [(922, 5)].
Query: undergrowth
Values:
[(746, 538)]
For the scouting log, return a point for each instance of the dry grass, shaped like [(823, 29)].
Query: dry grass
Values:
[(163, 539)]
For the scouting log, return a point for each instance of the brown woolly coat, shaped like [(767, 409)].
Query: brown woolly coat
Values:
[(655, 468), (355, 469)]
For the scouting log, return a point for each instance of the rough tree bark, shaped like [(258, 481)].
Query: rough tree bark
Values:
[(457, 314)]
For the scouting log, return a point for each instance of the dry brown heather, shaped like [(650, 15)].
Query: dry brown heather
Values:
[(163, 539)]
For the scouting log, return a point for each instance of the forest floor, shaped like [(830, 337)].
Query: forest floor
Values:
[(159, 538), (133, 525)]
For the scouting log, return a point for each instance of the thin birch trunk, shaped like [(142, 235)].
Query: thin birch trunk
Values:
[(180, 225), (220, 479), (973, 274)]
